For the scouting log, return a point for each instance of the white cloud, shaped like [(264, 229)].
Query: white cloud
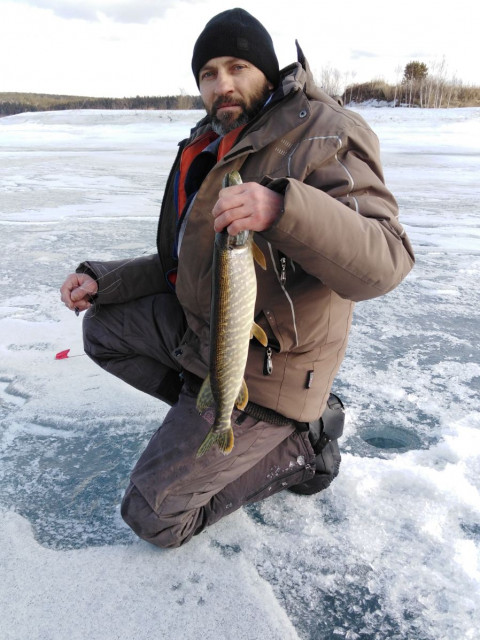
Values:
[(127, 47), (126, 11)]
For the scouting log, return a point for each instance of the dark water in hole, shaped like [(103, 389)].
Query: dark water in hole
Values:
[(391, 438)]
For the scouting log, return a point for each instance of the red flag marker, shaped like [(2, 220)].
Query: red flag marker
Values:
[(61, 355)]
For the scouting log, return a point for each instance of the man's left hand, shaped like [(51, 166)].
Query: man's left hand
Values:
[(248, 206)]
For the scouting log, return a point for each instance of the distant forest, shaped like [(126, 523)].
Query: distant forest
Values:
[(417, 86), (12, 103)]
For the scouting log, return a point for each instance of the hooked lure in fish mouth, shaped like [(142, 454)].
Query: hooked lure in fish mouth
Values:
[(234, 292)]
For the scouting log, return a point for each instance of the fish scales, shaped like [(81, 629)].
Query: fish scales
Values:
[(232, 317), (234, 292)]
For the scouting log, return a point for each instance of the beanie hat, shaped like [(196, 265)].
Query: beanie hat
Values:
[(238, 34)]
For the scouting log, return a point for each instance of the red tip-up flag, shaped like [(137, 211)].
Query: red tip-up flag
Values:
[(62, 354)]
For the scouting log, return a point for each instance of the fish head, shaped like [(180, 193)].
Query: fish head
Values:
[(240, 239)]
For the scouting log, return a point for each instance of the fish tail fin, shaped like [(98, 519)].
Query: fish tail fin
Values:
[(205, 396), (223, 439)]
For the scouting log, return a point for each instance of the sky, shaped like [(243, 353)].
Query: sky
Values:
[(120, 48)]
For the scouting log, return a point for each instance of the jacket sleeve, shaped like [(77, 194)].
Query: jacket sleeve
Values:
[(126, 280), (340, 222)]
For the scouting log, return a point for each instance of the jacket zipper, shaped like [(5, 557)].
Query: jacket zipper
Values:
[(267, 363), (166, 196), (282, 279), (283, 270)]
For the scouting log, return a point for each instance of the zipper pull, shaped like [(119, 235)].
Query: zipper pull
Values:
[(268, 365), (283, 270)]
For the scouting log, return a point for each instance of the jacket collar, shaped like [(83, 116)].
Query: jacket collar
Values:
[(296, 86)]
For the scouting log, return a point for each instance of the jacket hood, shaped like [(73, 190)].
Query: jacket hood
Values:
[(299, 76)]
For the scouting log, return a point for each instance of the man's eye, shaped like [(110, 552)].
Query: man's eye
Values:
[(206, 74)]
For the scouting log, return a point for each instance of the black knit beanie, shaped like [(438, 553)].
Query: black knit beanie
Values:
[(238, 34)]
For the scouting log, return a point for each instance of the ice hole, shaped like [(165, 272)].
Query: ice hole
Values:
[(392, 438)]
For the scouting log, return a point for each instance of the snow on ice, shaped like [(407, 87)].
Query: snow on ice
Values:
[(389, 551)]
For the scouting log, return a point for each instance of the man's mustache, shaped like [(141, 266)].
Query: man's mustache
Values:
[(223, 100)]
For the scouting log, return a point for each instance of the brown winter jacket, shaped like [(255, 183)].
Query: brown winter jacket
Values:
[(337, 241)]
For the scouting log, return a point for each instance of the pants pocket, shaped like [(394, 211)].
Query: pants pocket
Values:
[(285, 481), (295, 465)]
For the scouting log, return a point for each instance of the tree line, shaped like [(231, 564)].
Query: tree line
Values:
[(12, 103), (417, 86)]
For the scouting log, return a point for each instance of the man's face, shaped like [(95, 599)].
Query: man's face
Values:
[(233, 92)]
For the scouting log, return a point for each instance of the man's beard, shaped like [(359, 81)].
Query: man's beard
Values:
[(228, 121)]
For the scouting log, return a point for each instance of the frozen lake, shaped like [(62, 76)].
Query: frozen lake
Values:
[(389, 551)]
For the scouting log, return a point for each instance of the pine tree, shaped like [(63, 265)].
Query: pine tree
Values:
[(415, 71)]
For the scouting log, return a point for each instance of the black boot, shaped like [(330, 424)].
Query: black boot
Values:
[(323, 435)]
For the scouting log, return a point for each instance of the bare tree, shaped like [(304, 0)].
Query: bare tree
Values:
[(398, 84), (184, 101), (439, 81), (349, 83), (331, 81)]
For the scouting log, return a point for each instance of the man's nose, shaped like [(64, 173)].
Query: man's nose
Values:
[(223, 84)]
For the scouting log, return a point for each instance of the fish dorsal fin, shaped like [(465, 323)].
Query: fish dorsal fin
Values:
[(257, 332), (258, 256), (242, 398), (205, 396)]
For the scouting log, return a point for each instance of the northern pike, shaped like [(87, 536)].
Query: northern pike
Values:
[(234, 291)]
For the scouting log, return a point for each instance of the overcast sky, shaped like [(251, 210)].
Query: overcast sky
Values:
[(122, 48)]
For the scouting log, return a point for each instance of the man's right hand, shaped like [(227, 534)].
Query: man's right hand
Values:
[(76, 291)]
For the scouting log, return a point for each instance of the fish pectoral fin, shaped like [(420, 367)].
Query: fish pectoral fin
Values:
[(223, 439), (257, 332), (258, 256), (242, 398), (205, 396)]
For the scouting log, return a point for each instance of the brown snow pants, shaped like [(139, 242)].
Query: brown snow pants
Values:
[(173, 495)]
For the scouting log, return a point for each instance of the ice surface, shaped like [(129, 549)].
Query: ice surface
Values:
[(389, 551)]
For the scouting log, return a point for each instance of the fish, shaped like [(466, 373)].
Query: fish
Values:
[(234, 292)]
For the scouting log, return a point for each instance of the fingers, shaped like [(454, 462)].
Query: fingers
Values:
[(248, 206), (75, 292), (228, 209), (85, 288), (66, 289)]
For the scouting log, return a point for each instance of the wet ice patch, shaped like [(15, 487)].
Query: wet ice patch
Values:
[(67, 476)]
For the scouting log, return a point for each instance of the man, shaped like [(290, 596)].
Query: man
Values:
[(314, 194)]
